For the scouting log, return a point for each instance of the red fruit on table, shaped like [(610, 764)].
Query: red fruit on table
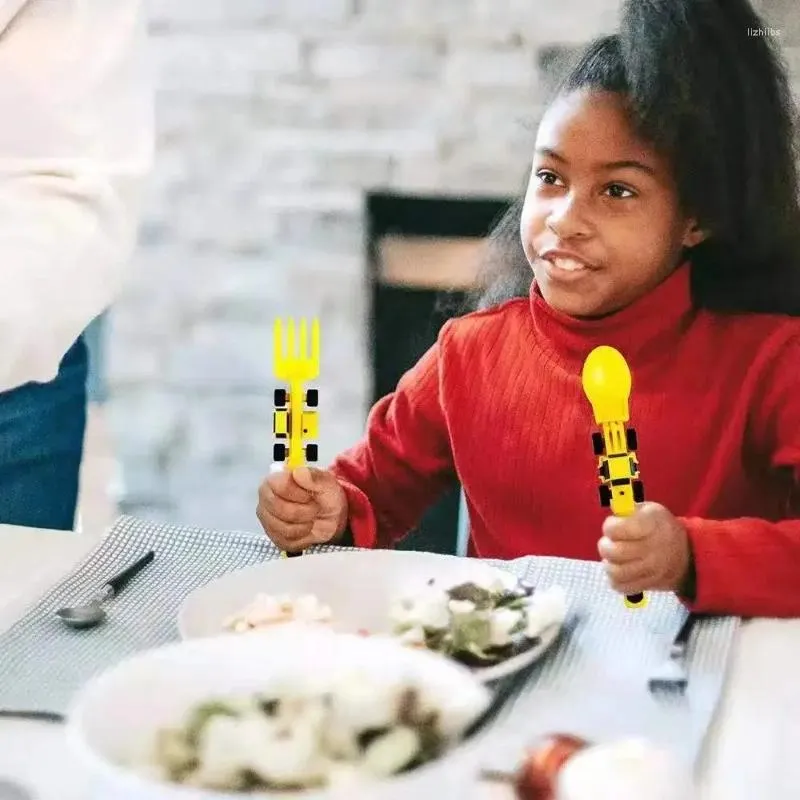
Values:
[(536, 778)]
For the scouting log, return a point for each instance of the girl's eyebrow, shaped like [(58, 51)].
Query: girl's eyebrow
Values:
[(628, 163)]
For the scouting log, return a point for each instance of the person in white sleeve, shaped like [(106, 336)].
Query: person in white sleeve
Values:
[(76, 144)]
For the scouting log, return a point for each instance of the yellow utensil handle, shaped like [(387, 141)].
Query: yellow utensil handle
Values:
[(296, 456), (635, 600), (638, 600)]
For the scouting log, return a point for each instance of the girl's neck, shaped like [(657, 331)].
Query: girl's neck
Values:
[(640, 331)]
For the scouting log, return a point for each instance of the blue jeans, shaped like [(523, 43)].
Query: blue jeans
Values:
[(41, 446)]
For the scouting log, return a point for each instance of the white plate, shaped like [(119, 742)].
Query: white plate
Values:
[(113, 719), (359, 586)]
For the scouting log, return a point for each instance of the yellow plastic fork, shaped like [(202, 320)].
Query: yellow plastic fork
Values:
[(296, 363)]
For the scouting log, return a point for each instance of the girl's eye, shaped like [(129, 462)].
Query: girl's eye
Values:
[(615, 190), (546, 177)]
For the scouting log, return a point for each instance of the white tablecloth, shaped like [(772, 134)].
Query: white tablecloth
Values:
[(751, 751)]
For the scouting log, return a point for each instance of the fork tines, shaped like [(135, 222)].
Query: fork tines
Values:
[(295, 357)]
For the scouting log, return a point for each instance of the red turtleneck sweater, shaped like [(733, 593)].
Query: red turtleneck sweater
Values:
[(497, 403)]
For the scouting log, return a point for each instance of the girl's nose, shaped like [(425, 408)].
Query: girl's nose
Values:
[(567, 218)]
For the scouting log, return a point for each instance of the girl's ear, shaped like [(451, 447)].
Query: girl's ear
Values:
[(693, 234)]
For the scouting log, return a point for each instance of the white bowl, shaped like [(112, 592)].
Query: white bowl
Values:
[(625, 769), (358, 585), (114, 718)]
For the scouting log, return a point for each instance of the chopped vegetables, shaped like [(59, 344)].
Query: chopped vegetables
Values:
[(477, 625), (362, 729)]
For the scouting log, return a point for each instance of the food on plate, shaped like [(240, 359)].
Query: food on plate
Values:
[(266, 610), (537, 776), (627, 769), (478, 624), (355, 729)]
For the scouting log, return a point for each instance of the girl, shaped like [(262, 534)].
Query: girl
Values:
[(661, 218)]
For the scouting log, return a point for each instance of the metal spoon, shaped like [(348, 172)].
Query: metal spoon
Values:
[(92, 613)]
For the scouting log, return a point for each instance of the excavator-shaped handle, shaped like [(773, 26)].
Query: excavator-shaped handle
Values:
[(296, 361), (607, 382)]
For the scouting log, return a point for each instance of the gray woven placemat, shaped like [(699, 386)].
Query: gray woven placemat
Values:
[(594, 682), (43, 663)]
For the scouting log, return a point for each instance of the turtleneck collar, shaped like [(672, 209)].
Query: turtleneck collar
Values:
[(646, 328)]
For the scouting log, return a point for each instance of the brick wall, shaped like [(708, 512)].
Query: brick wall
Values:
[(274, 119)]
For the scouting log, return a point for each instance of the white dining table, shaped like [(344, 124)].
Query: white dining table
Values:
[(751, 750)]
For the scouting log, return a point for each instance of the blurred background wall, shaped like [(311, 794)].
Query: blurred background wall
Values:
[(279, 122)]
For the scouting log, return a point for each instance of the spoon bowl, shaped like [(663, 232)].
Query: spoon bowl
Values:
[(79, 617), (90, 614)]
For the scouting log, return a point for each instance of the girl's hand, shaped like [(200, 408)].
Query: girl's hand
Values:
[(648, 551), (301, 508)]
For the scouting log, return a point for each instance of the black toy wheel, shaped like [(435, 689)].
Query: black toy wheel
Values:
[(638, 492), (312, 398), (279, 452), (603, 471), (598, 444), (281, 398), (312, 452), (605, 496), (631, 439)]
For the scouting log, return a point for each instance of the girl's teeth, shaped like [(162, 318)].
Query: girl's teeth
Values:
[(568, 264)]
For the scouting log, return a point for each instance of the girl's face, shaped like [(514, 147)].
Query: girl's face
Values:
[(601, 225)]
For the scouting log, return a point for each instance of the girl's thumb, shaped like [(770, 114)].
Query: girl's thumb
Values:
[(306, 478)]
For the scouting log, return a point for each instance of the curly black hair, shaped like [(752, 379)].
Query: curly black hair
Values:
[(717, 102)]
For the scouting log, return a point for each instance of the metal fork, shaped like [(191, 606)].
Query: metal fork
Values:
[(672, 675)]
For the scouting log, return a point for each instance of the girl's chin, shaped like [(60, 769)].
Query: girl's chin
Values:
[(573, 304)]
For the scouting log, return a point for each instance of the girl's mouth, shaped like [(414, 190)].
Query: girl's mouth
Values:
[(565, 270), (568, 264)]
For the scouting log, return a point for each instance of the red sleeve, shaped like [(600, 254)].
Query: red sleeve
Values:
[(751, 567), (404, 462)]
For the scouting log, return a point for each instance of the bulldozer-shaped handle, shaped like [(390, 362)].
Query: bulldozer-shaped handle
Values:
[(606, 380), (295, 421)]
